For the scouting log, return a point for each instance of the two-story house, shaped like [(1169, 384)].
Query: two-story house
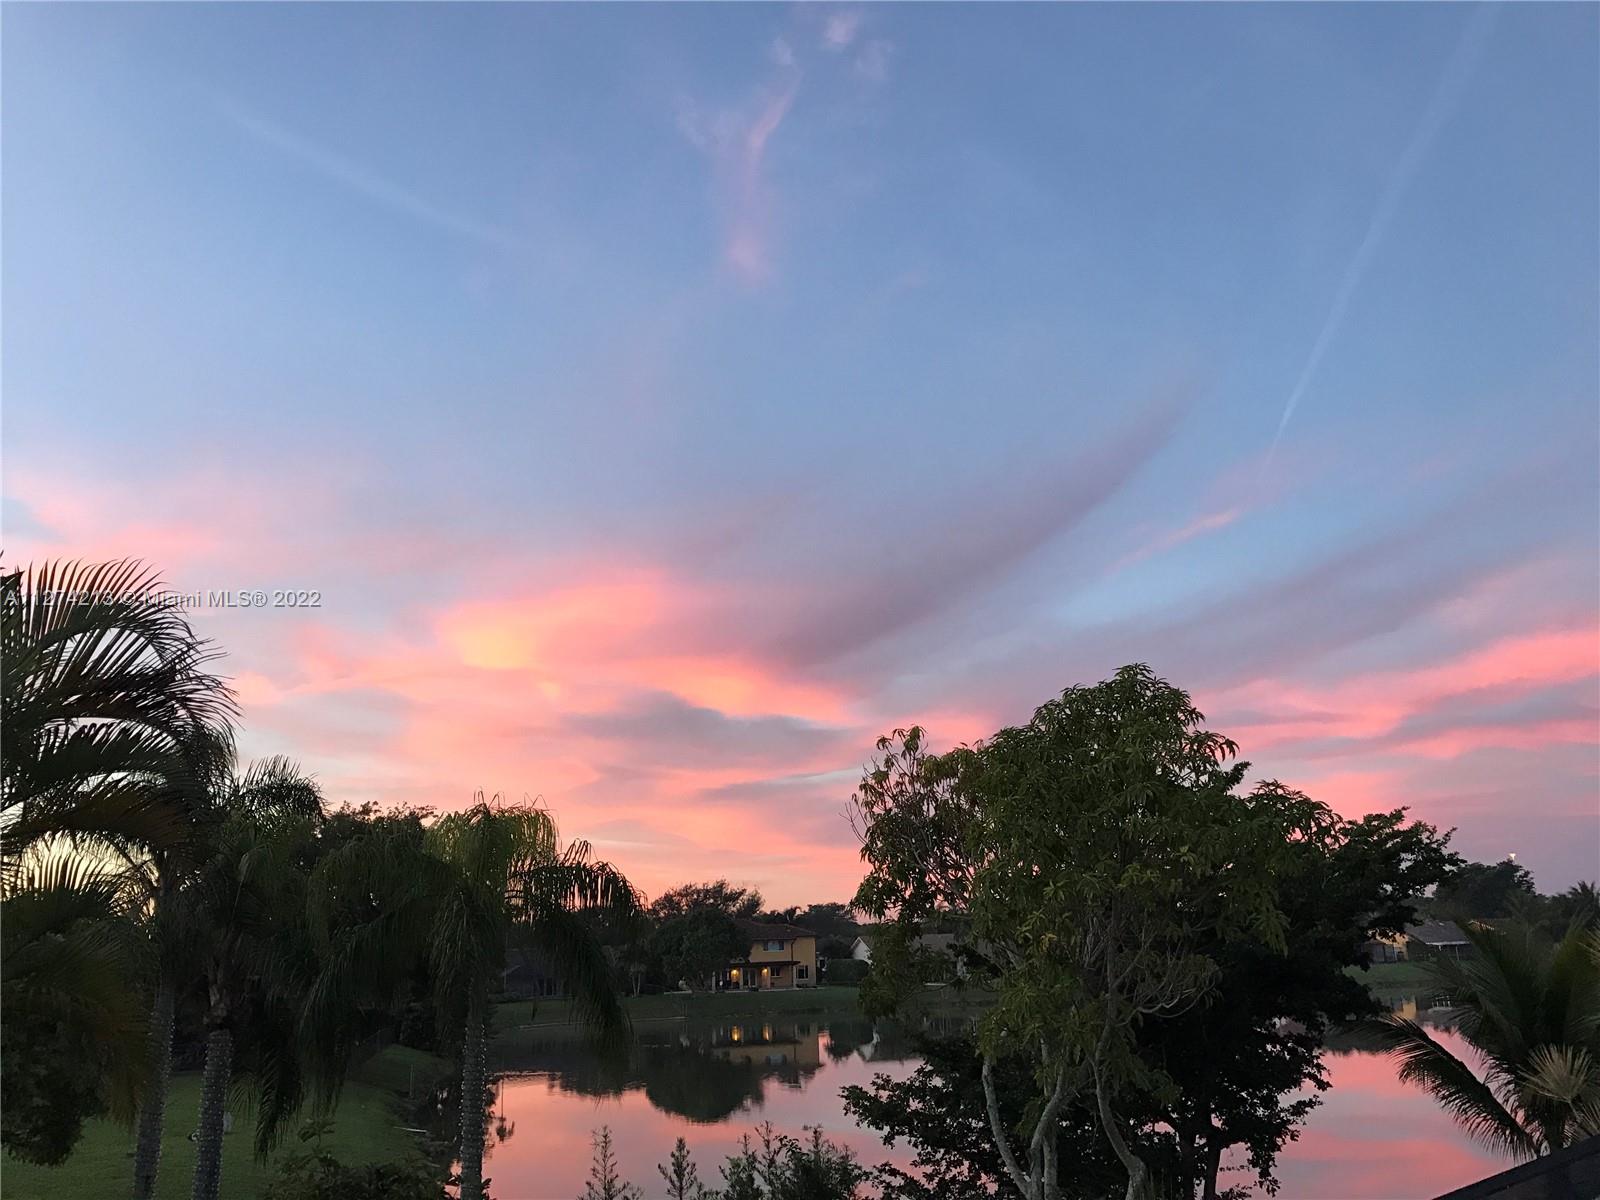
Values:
[(780, 956)]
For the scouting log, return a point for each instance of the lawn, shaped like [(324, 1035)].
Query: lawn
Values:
[(367, 1127), (1393, 974), (514, 1014)]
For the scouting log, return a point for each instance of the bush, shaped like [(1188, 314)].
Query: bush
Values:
[(844, 970), (320, 1176)]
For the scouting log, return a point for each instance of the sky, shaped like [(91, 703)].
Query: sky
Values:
[(661, 403)]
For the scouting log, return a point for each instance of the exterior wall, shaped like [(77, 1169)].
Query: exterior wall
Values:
[(861, 951), (805, 955), (793, 966)]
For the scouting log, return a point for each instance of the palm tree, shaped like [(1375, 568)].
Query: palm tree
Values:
[(512, 881), (1531, 1011), (240, 924), (71, 1022), (102, 685), (111, 718), (272, 791)]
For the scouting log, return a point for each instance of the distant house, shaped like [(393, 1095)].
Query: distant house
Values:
[(939, 943), (527, 975), (779, 957), (1430, 939), (1443, 938)]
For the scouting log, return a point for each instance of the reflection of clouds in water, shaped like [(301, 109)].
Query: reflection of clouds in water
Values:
[(693, 1080), (711, 1082)]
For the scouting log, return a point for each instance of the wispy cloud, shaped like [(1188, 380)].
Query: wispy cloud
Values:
[(1441, 106), (737, 139), (840, 29), (362, 180)]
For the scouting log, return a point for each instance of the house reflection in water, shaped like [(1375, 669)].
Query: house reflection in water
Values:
[(792, 1044)]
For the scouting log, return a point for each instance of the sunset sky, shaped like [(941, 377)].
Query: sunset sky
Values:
[(666, 401)]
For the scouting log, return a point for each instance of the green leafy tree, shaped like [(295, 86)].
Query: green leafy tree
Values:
[(1531, 1011), (692, 947), (940, 1110), (1481, 891), (1246, 1063), (778, 1167), (1095, 848), (719, 895)]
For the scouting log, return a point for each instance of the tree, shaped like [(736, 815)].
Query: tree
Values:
[(1246, 1064), (1531, 1011), (112, 722), (1094, 848), (692, 947), (511, 878), (102, 683), (1484, 890), (940, 1110), (680, 1174), (69, 1022), (242, 920), (271, 799), (719, 895), (605, 1180)]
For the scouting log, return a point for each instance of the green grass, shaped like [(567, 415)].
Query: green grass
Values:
[(368, 1126), (1392, 974)]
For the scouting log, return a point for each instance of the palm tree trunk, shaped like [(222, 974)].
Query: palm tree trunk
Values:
[(152, 1112), (472, 1052), (213, 1100)]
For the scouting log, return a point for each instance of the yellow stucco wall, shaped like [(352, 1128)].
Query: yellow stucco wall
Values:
[(802, 950)]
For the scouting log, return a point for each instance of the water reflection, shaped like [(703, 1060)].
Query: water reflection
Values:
[(702, 1071), (712, 1081), (709, 1081)]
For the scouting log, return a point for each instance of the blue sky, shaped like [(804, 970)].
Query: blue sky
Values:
[(667, 400)]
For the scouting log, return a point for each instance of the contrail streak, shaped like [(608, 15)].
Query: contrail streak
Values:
[(359, 179), (1446, 95)]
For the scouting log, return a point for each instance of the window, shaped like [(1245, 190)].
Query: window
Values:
[(802, 972), (774, 945)]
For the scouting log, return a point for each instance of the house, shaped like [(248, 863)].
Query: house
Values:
[(1443, 939), (1430, 939), (779, 957), (939, 943), (528, 975)]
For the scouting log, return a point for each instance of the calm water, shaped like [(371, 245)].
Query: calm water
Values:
[(712, 1081)]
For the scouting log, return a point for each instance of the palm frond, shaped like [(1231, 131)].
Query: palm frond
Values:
[(1469, 1100)]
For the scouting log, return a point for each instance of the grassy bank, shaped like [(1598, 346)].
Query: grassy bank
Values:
[(368, 1126), (1392, 975)]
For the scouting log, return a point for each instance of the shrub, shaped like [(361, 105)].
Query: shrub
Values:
[(319, 1176), (844, 970)]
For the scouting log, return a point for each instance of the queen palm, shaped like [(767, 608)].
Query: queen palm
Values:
[(511, 880), (452, 897), (239, 928), (1531, 1011), (272, 798)]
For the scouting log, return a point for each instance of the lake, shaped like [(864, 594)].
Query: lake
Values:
[(711, 1081)]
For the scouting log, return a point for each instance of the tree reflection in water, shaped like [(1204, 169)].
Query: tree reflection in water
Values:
[(702, 1071)]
